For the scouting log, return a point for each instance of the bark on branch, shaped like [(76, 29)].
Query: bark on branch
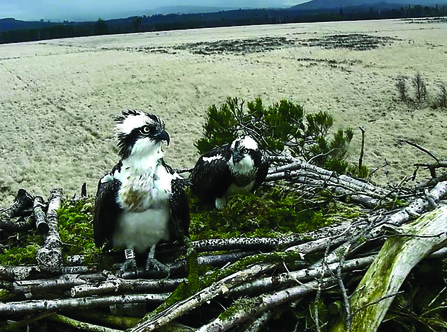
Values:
[(49, 257), (218, 288), (33, 306)]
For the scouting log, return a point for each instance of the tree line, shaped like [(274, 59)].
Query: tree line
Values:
[(218, 19)]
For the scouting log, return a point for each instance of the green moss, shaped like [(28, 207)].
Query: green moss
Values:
[(20, 255), (6, 296), (192, 285), (21, 249), (264, 214), (242, 304), (305, 314), (76, 230)]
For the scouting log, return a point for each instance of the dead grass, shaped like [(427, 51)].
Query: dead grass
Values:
[(58, 98)]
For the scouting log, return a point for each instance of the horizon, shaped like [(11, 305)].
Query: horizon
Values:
[(92, 10)]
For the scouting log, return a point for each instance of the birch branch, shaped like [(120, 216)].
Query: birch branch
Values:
[(39, 286), (117, 285), (415, 209), (218, 288), (179, 267), (420, 205), (264, 243), (347, 181), (49, 257), (287, 279), (99, 317), (20, 272), (367, 199), (73, 323), (259, 322), (32, 306), (259, 305)]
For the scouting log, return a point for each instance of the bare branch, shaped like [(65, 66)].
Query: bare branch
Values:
[(79, 325), (33, 306), (431, 154), (49, 257), (218, 288)]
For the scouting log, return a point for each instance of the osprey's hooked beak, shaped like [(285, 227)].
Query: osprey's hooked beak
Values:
[(163, 136), (237, 157)]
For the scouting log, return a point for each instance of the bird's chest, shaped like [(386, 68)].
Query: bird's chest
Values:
[(140, 191), (244, 172), (244, 179)]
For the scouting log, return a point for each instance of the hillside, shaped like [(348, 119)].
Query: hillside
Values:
[(387, 4), (12, 30), (13, 24)]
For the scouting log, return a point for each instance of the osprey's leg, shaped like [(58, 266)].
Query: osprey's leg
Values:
[(152, 263), (130, 264)]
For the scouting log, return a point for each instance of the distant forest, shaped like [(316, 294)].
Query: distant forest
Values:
[(12, 31)]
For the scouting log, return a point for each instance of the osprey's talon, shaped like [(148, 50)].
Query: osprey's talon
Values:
[(130, 265), (153, 264)]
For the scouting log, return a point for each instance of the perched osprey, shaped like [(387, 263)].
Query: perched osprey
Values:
[(141, 201), (239, 167)]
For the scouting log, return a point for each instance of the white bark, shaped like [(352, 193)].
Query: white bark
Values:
[(420, 205), (19, 272), (39, 286), (259, 305), (33, 306), (416, 208), (259, 323), (218, 288), (287, 279), (304, 169), (117, 285), (49, 258)]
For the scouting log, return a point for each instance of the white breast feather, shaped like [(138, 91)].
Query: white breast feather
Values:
[(144, 196), (141, 230), (244, 166)]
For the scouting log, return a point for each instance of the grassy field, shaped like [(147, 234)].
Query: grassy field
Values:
[(58, 98)]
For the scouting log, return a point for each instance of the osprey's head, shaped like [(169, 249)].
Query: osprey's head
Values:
[(243, 146), (139, 132), (244, 155)]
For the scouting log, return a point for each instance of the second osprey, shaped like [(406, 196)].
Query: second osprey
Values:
[(239, 167)]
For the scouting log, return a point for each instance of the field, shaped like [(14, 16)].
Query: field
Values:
[(58, 98)]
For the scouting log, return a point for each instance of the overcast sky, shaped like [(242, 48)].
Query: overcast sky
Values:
[(79, 10)]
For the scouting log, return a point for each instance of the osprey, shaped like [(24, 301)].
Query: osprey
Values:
[(141, 201), (239, 167)]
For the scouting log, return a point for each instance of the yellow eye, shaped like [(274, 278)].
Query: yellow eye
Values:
[(145, 130)]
